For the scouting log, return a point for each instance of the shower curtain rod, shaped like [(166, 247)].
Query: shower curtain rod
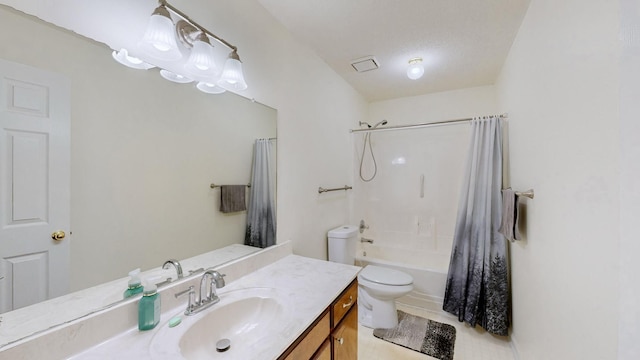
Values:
[(423, 125)]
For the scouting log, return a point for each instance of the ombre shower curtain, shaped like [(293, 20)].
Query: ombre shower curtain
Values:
[(477, 288), (261, 216)]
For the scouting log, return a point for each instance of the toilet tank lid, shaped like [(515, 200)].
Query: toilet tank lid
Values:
[(386, 276), (344, 232)]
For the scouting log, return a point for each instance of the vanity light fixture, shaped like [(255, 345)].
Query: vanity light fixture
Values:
[(184, 53), (159, 40), (209, 88), (232, 77), (176, 78), (415, 69), (122, 56)]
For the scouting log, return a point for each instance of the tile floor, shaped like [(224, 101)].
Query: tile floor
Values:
[(471, 344)]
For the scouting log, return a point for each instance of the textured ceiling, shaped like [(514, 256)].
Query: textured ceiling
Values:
[(463, 42)]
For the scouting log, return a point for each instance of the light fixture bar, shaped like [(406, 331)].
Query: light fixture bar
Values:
[(200, 27)]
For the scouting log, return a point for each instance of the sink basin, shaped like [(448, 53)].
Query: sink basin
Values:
[(245, 317)]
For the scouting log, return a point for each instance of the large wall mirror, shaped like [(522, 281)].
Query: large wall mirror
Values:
[(144, 152)]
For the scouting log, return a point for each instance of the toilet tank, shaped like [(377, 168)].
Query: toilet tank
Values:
[(342, 244)]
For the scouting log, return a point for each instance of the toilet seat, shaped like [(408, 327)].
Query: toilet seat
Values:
[(385, 276)]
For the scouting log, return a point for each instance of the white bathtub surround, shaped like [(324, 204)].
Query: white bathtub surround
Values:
[(116, 329)]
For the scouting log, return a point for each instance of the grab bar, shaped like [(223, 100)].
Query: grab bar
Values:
[(213, 186), (321, 189)]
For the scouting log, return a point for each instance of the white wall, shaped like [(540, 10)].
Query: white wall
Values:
[(447, 105), (629, 313), (560, 85)]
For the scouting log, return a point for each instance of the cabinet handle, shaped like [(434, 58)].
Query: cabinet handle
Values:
[(348, 304), (340, 340)]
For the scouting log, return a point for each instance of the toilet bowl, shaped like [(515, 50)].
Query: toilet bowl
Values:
[(378, 288)]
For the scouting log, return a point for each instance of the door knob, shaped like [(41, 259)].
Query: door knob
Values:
[(58, 235)]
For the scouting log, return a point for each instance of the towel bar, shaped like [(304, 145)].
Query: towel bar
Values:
[(321, 189), (213, 186)]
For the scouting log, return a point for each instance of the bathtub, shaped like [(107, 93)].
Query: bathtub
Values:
[(429, 271)]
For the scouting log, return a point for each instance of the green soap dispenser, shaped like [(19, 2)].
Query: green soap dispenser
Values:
[(135, 287), (149, 305)]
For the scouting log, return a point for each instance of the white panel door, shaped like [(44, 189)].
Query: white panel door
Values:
[(34, 185)]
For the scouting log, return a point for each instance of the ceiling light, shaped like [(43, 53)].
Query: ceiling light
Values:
[(176, 78), (415, 69), (232, 77), (123, 58), (160, 47)]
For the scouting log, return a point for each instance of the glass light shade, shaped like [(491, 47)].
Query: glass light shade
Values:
[(209, 88), (123, 58), (232, 77), (176, 78), (415, 69), (201, 60), (159, 40)]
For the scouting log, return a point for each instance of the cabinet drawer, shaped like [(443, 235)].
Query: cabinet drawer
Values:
[(305, 349), (344, 303), (345, 337)]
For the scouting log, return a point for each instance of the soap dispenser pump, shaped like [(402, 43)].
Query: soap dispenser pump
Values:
[(135, 287), (149, 305)]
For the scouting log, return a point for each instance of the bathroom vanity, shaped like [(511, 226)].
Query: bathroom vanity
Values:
[(334, 334), (297, 307)]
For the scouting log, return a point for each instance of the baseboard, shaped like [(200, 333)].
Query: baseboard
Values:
[(422, 301), (514, 347)]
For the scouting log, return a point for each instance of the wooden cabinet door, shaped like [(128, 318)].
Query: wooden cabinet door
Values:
[(345, 337), (324, 353)]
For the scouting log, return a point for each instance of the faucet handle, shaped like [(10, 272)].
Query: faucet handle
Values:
[(363, 226), (191, 305)]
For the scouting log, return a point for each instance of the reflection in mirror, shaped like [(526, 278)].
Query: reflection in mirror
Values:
[(144, 152)]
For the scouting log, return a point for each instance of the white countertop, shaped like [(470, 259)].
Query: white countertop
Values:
[(310, 286)]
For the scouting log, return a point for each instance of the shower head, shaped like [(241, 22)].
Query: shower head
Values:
[(383, 122)]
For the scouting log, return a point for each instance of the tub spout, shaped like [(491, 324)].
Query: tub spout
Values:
[(365, 240)]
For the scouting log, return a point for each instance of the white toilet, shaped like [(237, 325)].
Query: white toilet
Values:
[(378, 287)]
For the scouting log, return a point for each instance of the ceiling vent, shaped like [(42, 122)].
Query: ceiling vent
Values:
[(365, 64)]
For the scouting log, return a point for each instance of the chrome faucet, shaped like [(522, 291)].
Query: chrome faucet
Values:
[(208, 295), (175, 264), (217, 281)]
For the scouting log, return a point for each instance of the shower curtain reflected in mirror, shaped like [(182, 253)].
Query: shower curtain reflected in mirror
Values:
[(261, 215), (477, 283)]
